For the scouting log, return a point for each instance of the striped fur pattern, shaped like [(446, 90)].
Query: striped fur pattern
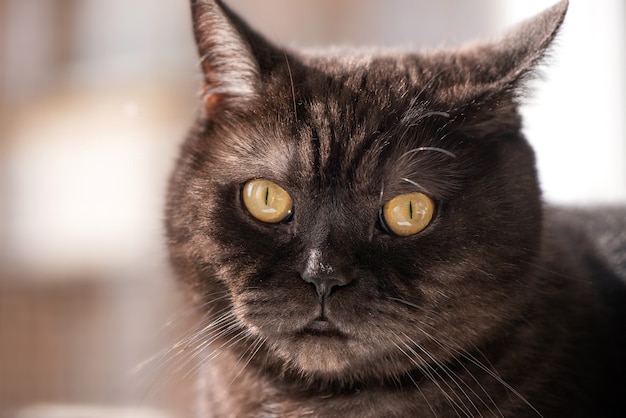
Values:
[(483, 313)]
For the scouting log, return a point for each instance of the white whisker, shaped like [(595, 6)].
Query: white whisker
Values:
[(428, 370), (416, 184), (416, 384), (254, 349), (459, 355), (429, 114), (293, 88), (447, 371), (434, 149), (470, 374)]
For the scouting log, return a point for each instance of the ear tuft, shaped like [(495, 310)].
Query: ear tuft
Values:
[(498, 73), (231, 72), (525, 47)]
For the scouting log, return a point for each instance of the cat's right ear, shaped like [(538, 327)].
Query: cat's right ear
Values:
[(226, 48)]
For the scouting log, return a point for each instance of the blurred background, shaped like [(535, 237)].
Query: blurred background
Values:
[(96, 96)]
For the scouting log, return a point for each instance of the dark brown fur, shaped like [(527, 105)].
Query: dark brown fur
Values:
[(501, 307)]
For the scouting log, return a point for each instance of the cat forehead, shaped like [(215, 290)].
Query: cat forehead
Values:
[(355, 121), (323, 144), (391, 75)]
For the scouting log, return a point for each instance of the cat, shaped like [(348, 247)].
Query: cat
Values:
[(365, 235)]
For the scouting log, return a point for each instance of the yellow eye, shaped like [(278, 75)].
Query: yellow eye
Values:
[(267, 201), (408, 214)]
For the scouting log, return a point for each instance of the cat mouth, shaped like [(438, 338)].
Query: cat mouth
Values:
[(321, 327)]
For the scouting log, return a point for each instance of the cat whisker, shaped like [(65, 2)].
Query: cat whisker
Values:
[(428, 370), (180, 341), (254, 349), (553, 272), (293, 87), (194, 340), (190, 339), (489, 370), (473, 360), (192, 352), (434, 149), (416, 384), (470, 374), (416, 184), (197, 308), (447, 371), (427, 115), (469, 357), (405, 302), (238, 336), (171, 360)]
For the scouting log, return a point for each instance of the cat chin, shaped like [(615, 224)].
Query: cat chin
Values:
[(321, 357), (332, 357), (312, 348)]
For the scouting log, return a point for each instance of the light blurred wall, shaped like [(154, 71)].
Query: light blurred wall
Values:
[(95, 97)]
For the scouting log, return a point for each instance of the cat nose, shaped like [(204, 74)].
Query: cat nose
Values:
[(322, 275), (324, 283)]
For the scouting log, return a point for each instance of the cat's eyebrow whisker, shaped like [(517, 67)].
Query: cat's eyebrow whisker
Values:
[(434, 149), (293, 87), (427, 115), (416, 184)]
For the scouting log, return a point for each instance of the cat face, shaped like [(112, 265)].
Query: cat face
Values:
[(342, 212)]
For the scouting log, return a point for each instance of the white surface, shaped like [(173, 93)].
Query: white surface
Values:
[(576, 119)]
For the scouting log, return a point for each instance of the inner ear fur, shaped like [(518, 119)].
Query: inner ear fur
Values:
[(232, 56)]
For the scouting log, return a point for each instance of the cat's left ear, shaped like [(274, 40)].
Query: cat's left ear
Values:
[(518, 53), (232, 56), (501, 69)]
